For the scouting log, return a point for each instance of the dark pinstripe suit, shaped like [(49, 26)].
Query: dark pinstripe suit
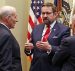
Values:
[(41, 60), (9, 51)]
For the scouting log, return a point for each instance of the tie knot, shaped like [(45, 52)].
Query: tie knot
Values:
[(48, 26)]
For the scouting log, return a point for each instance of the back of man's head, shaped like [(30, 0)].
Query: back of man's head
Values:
[(6, 10)]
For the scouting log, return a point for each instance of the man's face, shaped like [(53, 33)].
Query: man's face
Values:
[(47, 15), (11, 20)]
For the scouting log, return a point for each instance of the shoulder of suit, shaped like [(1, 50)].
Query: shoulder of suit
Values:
[(39, 25), (62, 25), (69, 39), (4, 32)]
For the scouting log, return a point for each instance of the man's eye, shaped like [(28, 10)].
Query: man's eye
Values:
[(47, 13)]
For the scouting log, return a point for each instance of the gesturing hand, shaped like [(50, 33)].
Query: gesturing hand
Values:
[(43, 45), (29, 46)]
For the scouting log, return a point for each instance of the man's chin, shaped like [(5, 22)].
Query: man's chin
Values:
[(47, 22), (12, 27)]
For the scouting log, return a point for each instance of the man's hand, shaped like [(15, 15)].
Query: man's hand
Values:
[(29, 46), (43, 45)]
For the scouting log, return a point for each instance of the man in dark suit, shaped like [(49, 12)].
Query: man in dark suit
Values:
[(9, 48), (65, 56), (42, 45)]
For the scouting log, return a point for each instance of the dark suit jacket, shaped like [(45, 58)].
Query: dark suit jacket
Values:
[(9, 51), (41, 60), (65, 56)]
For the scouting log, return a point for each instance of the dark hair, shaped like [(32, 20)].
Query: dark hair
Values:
[(50, 5)]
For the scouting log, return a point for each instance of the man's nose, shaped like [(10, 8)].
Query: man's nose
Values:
[(45, 15)]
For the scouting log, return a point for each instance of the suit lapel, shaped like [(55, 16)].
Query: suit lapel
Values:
[(55, 30), (41, 30)]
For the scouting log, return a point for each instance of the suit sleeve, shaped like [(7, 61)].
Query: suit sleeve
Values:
[(62, 54), (5, 53)]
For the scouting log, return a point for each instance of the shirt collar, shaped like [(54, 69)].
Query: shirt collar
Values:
[(4, 25), (51, 25)]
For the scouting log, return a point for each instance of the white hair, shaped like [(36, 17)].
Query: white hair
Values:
[(7, 10)]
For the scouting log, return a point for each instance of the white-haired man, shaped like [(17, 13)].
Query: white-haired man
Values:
[(9, 48)]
